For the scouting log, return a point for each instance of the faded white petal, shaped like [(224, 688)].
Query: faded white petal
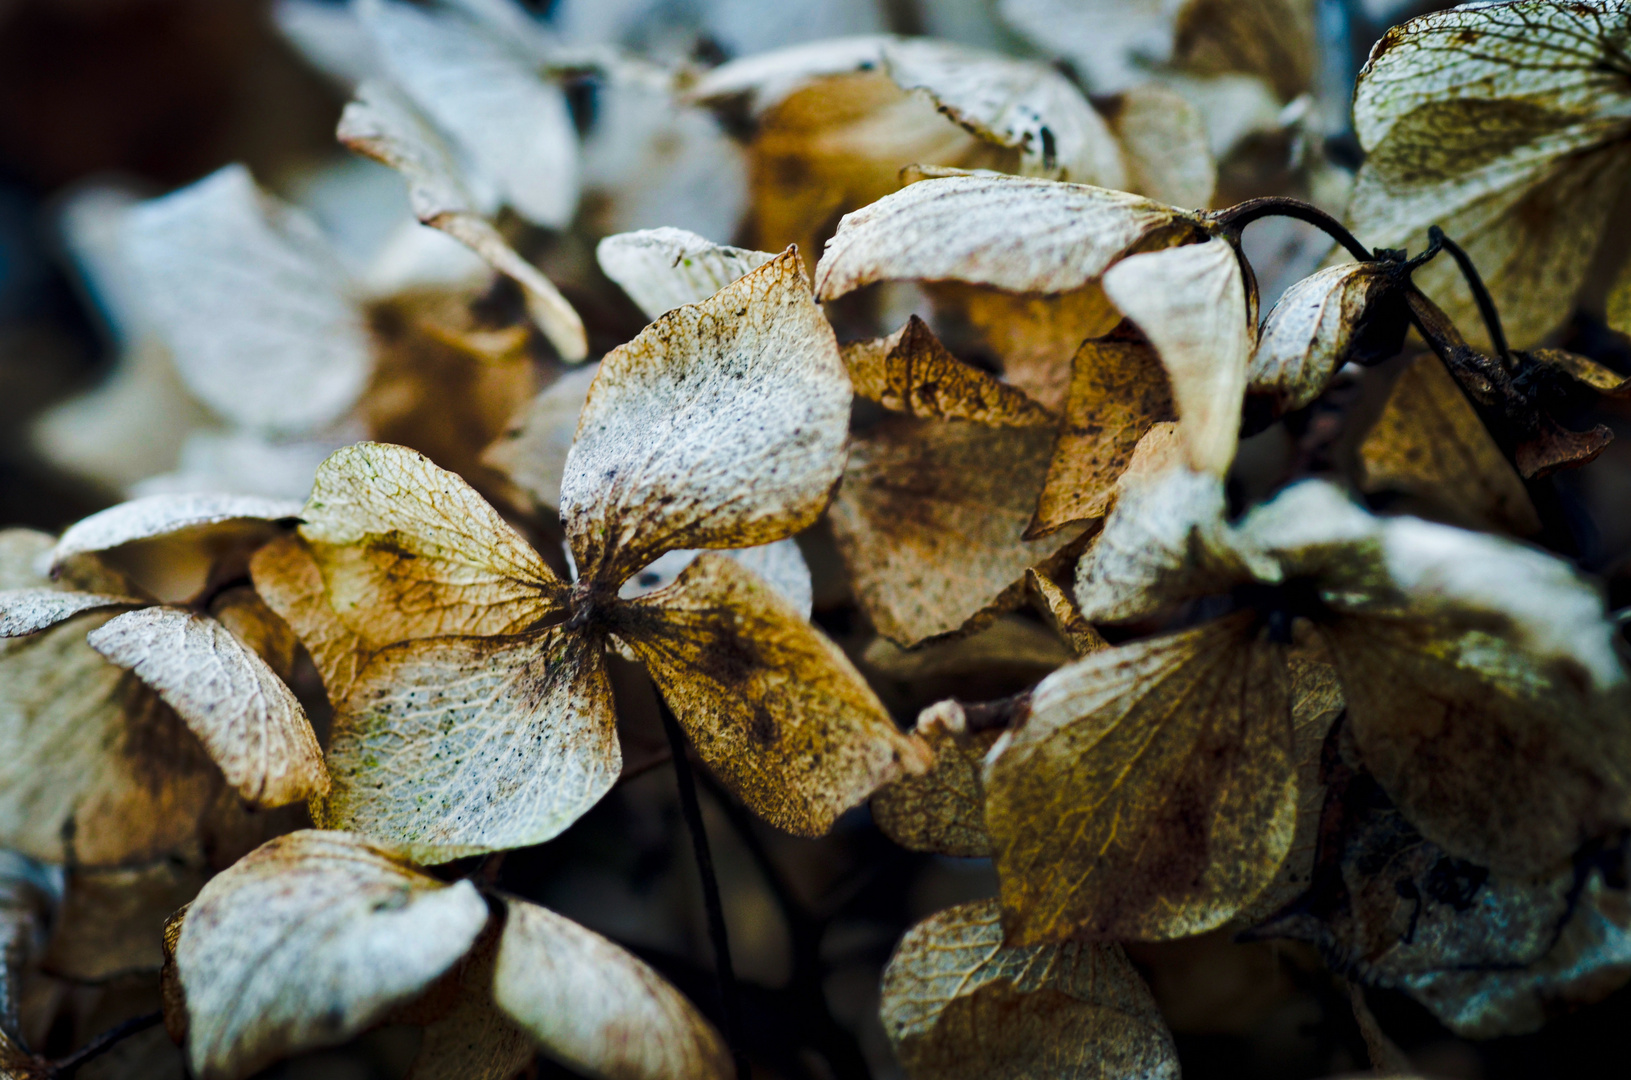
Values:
[(660, 269)]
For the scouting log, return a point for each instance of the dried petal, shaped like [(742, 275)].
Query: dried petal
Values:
[(1163, 141), (460, 745), (1498, 123), (288, 579), (929, 520), (255, 307), (28, 611), (1195, 306), (473, 1040), (248, 618), (164, 515), (1430, 443), (780, 565), (409, 550), (1009, 643), (380, 125), (1151, 793), (1058, 607), (744, 391), (942, 811), (240, 710), (661, 269), (1020, 104), (309, 940), (774, 708), (111, 918), (594, 1007), (532, 451), (484, 91), (911, 372), (1118, 391), (1015, 233), (959, 1003), (1317, 326)]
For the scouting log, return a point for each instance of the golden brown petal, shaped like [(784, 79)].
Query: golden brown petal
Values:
[(943, 810), (289, 580), (1118, 391), (1430, 443), (1151, 793), (775, 709), (960, 1004), (911, 372)]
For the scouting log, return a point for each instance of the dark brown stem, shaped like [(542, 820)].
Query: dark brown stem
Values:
[(1240, 215), (1486, 305), (106, 1041), (691, 809)]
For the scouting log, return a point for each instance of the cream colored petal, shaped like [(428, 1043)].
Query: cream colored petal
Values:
[(1492, 757), (309, 940), (1151, 793), (290, 582), (1165, 542), (942, 811), (774, 708), (1022, 104), (959, 1004), (1537, 601), (765, 79), (722, 425), (909, 371), (1015, 233), (250, 722), (661, 269), (1112, 45), (1163, 140), (1313, 328), (532, 451), (1118, 392), (381, 125), (1429, 443), (596, 1008), (929, 520), (460, 745), (780, 565), (165, 515), (249, 619), (254, 305), (1193, 305), (409, 550), (485, 92), (28, 611)]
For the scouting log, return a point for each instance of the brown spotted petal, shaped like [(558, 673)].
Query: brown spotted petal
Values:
[(930, 520), (959, 1004), (1016, 233), (409, 550), (1118, 391), (1192, 303), (455, 746), (774, 708), (910, 372), (1502, 124), (1151, 794), (306, 942), (741, 395), (245, 716), (593, 1006), (1318, 325)]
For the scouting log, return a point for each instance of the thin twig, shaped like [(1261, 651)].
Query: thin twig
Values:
[(1240, 215), (692, 811), (1486, 305), (106, 1041)]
